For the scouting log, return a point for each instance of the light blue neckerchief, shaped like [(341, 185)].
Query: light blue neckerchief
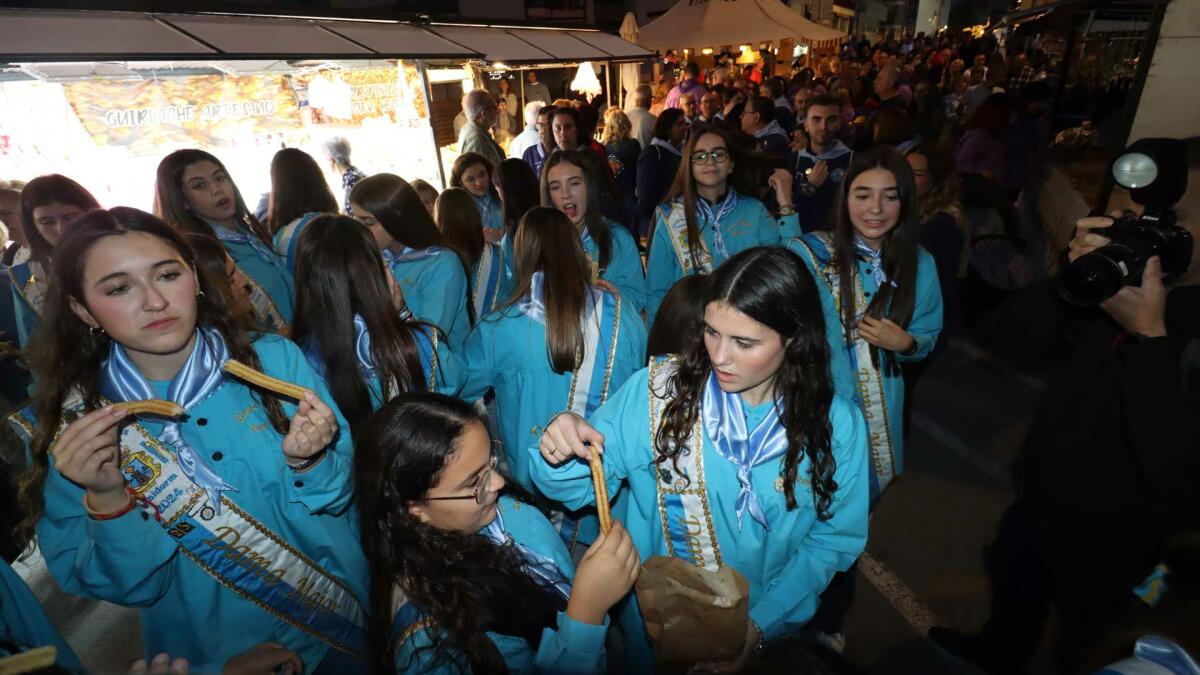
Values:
[(409, 255), (725, 426), (241, 236), (708, 214), (875, 260), (200, 376), (362, 346), (487, 210), (533, 304), (666, 145), (535, 563)]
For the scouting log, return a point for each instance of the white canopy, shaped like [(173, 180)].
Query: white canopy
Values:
[(714, 23)]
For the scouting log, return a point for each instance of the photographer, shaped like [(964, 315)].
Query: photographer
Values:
[(1111, 465)]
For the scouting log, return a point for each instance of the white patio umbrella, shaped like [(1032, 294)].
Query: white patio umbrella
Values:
[(629, 71)]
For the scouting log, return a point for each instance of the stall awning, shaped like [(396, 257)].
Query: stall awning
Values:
[(512, 45), (51, 35), (730, 22)]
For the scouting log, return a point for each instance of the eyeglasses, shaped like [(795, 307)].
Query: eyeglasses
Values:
[(482, 491), (701, 157)]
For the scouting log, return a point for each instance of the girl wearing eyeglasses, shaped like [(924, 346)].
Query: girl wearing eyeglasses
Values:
[(467, 576), (572, 182), (883, 304), (431, 276), (349, 323), (216, 523), (740, 435), (561, 343), (194, 193), (709, 216)]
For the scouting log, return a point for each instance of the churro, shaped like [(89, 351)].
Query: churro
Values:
[(597, 465), (151, 407), (247, 374)]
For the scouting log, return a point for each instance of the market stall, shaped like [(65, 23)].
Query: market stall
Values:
[(105, 95)]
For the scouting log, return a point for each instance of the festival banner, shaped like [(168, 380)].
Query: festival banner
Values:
[(210, 111)]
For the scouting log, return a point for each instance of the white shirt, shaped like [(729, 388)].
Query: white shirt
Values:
[(524, 140)]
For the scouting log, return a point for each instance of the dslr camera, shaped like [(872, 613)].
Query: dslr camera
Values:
[(1154, 170)]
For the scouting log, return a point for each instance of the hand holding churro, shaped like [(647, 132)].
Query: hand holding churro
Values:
[(602, 507), (251, 376)]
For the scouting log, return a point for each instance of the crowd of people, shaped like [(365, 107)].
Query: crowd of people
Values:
[(716, 303)]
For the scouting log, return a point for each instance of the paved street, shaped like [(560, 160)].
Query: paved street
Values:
[(923, 562)]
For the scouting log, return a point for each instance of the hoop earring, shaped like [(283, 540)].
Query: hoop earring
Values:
[(200, 296), (95, 331)]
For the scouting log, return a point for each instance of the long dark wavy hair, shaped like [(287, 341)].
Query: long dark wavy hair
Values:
[(42, 191), (210, 254), (771, 286), (466, 584), (548, 243), (399, 210), (170, 201), (594, 219), (297, 187), (899, 251), (684, 186), (66, 357), (339, 273), (520, 189)]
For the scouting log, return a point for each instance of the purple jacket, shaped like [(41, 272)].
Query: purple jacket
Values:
[(688, 86)]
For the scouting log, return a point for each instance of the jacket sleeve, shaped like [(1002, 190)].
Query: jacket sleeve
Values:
[(128, 561), (625, 269), (479, 358), (926, 321), (572, 648), (662, 267), (789, 600)]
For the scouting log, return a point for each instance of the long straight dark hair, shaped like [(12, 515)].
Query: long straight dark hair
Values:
[(461, 224), (594, 218), (297, 187), (65, 357), (899, 250), (685, 184), (399, 210), (521, 192), (170, 202), (548, 242), (466, 584), (42, 191), (339, 273), (769, 285)]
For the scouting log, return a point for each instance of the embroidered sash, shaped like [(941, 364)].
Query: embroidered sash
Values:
[(264, 308), (30, 280), (683, 505), (869, 386), (239, 552), (676, 223), (485, 283), (288, 239)]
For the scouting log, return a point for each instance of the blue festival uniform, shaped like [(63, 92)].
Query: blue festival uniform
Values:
[(287, 239), (787, 566), (29, 281), (744, 223), (571, 648), (263, 265), (435, 289), (445, 371), (491, 216), (878, 393), (507, 351), (491, 279), (135, 561), (24, 624), (624, 265)]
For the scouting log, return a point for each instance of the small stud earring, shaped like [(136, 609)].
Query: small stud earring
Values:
[(95, 331)]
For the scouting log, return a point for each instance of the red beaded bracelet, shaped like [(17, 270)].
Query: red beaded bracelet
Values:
[(109, 516)]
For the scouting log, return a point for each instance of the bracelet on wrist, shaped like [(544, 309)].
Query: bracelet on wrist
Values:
[(787, 210), (911, 350), (308, 462), (95, 515)]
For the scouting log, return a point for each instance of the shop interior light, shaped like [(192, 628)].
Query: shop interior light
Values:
[(500, 65), (707, 51), (747, 57), (586, 82)]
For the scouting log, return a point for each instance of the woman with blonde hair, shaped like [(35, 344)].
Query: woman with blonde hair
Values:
[(623, 151)]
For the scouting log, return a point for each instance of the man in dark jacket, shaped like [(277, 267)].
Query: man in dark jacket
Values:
[(1111, 467)]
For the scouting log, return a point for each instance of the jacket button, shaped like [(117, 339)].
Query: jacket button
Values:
[(299, 483), (218, 456), (202, 421)]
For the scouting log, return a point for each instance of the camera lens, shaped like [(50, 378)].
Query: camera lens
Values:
[(1090, 280)]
